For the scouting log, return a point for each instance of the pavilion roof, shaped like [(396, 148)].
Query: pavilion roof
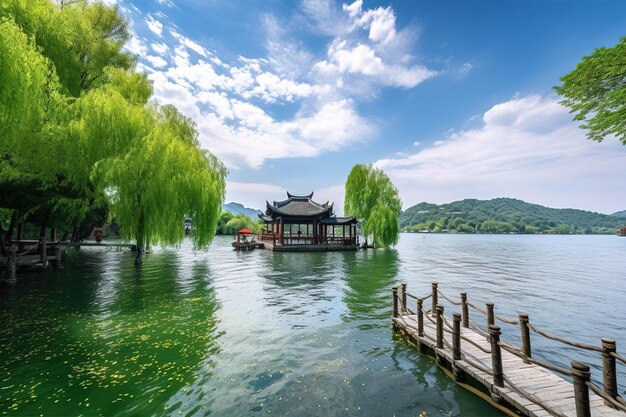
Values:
[(339, 220), (298, 206)]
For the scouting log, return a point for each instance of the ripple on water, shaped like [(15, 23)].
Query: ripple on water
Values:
[(231, 333)]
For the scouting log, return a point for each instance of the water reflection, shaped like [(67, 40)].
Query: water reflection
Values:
[(131, 350), (368, 279)]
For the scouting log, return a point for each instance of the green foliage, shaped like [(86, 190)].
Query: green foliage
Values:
[(164, 178), (81, 39), (504, 215), (595, 92), (241, 221), (78, 135), (621, 214), (27, 83), (371, 196)]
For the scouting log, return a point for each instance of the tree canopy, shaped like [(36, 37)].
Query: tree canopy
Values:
[(79, 135), (371, 196), (595, 92)]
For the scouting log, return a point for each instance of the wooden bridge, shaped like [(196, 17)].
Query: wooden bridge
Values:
[(506, 375), (38, 254)]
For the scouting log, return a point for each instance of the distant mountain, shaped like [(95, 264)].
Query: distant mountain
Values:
[(237, 209), (620, 214), (505, 215)]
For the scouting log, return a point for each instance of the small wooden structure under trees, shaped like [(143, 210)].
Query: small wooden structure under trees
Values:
[(513, 377), (301, 224)]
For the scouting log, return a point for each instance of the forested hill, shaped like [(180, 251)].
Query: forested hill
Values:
[(237, 209), (621, 214), (505, 215)]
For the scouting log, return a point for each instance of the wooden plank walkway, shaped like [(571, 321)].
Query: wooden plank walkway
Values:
[(543, 385)]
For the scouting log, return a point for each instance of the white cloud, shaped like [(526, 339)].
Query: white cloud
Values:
[(168, 3), (381, 23), (136, 46), (156, 61), (320, 106), (160, 48), (154, 25), (368, 48), (527, 148)]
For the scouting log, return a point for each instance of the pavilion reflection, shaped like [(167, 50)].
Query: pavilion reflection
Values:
[(297, 282)]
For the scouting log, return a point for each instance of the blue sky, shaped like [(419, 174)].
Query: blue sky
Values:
[(453, 99)]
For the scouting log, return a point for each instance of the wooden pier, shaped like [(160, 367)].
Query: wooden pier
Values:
[(38, 254), (508, 376)]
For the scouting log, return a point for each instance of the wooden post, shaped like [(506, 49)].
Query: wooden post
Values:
[(496, 356), (609, 375), (458, 373), (10, 267), (525, 332), (464, 309), (434, 297), (490, 317), (58, 253), (420, 318), (394, 290), (20, 230), (404, 307), (53, 234), (439, 310), (20, 235), (43, 251), (456, 336), (581, 391)]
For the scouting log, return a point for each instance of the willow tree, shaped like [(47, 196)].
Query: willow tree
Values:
[(80, 38), (164, 178), (27, 86), (52, 54), (595, 91), (371, 196)]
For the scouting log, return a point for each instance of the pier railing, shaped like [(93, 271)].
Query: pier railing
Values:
[(579, 372)]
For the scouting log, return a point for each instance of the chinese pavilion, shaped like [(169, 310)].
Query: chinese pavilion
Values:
[(299, 223)]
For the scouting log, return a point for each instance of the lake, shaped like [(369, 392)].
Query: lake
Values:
[(227, 333)]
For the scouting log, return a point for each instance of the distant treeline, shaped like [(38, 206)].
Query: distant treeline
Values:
[(506, 215)]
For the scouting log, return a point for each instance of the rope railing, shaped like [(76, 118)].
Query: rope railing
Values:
[(563, 340), (618, 356), (416, 297), (450, 300), (505, 320), (470, 341), (579, 373), (29, 250), (475, 307), (533, 398), (515, 351), (478, 364), (478, 329), (600, 393)]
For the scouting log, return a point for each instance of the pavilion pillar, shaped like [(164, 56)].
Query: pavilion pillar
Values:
[(281, 230)]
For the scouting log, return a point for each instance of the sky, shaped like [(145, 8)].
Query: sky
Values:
[(452, 99)]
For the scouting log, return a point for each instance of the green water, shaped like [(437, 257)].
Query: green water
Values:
[(226, 333)]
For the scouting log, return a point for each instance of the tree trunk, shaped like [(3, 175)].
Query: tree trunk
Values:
[(42, 230), (14, 217), (140, 240), (2, 241)]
